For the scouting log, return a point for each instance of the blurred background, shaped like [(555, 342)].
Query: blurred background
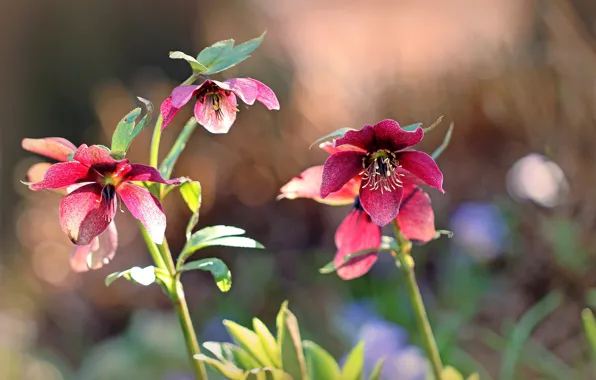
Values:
[(518, 79)]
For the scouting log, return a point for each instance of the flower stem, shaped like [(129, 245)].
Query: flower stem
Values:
[(155, 140), (405, 262)]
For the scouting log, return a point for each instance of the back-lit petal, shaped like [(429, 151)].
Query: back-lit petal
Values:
[(84, 213), (217, 118), (389, 135), (308, 185), (168, 112), (182, 94), (356, 233), (249, 90), (422, 166), (62, 175), (146, 208), (328, 147), (56, 148), (97, 254), (147, 173), (382, 206), (91, 155), (338, 170), (416, 219)]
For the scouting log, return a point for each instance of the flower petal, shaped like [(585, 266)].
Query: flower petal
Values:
[(168, 112), (182, 94), (146, 208), (61, 175), (249, 90), (217, 120), (389, 135), (328, 147), (140, 172), (422, 166), (355, 233), (84, 213), (383, 206), (416, 219), (97, 254), (91, 155), (338, 170), (56, 148), (308, 185), (363, 138)]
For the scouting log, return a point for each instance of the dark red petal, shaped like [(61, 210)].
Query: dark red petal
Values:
[(422, 166), (90, 155), (328, 147), (364, 138), (146, 208), (217, 121), (381, 206), (61, 175), (84, 213), (56, 148), (356, 233), (389, 135), (308, 185), (140, 172), (416, 219), (168, 112), (339, 169), (182, 94)]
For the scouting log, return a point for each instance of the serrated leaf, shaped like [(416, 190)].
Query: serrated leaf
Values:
[(219, 270), (319, 363), (191, 193), (227, 369), (168, 163), (267, 341), (128, 128), (223, 55), (376, 372), (352, 369), (143, 276), (333, 135), (444, 144), (248, 341), (196, 67), (412, 127), (289, 344)]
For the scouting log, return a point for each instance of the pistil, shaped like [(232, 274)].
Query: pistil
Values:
[(380, 171)]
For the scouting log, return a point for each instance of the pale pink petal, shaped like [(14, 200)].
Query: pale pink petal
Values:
[(85, 213), (338, 170), (381, 206), (216, 118), (356, 233), (249, 90), (97, 254), (416, 219), (91, 155), (182, 94), (328, 147), (308, 185), (140, 172), (168, 112), (389, 135), (146, 208), (422, 166), (62, 175), (56, 148)]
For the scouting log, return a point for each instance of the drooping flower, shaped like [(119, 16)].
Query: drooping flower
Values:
[(88, 210), (216, 105), (380, 157)]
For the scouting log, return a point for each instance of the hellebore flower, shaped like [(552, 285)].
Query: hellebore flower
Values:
[(378, 157), (88, 210), (216, 104)]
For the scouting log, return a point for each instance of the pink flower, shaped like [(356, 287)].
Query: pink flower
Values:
[(89, 209), (378, 156), (216, 104)]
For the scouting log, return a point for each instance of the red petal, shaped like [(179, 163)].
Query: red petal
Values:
[(56, 148), (364, 138), (97, 254), (308, 185), (416, 219), (90, 155), (355, 233), (61, 175), (146, 208), (140, 172), (84, 213), (168, 112), (381, 206), (422, 166), (339, 169), (328, 147), (217, 122), (389, 135)]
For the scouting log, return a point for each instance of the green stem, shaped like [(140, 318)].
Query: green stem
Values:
[(153, 250), (405, 262)]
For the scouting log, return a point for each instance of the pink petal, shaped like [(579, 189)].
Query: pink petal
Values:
[(356, 233), (381, 206), (97, 254), (61, 175), (308, 185), (91, 155), (182, 94), (146, 208), (338, 170), (363, 139), (56, 148), (416, 219), (249, 90), (168, 112), (390, 135), (217, 121), (84, 213), (328, 147), (422, 166), (140, 172)]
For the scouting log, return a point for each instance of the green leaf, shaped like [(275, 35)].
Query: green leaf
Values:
[(289, 344), (590, 328), (319, 363), (228, 241), (266, 374), (333, 135), (227, 352), (450, 373), (227, 369), (474, 376), (128, 129), (205, 235), (222, 55), (267, 341), (445, 143), (168, 163), (352, 369), (191, 193), (411, 127), (376, 372), (143, 276), (219, 270), (249, 341), (215, 53), (433, 125), (196, 67)]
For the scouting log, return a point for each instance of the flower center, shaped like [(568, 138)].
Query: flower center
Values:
[(108, 192), (213, 98), (379, 171)]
